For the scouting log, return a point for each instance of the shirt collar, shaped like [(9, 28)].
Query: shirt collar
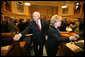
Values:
[(38, 20)]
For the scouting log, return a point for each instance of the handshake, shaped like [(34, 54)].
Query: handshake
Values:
[(74, 37), (17, 37)]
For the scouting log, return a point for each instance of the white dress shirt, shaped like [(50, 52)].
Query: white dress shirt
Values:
[(39, 23)]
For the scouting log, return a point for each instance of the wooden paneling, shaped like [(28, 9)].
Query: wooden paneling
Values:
[(8, 6), (47, 11)]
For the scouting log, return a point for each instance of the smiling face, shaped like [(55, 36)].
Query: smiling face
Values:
[(57, 24), (56, 21), (36, 16)]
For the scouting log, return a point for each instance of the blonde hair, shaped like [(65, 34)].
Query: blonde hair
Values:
[(55, 18)]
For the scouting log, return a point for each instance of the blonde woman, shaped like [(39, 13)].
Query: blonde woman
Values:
[(54, 37)]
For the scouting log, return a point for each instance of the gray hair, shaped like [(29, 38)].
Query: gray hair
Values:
[(36, 13)]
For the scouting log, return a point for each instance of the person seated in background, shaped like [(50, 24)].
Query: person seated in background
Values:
[(64, 24), (77, 26), (70, 28), (4, 26), (54, 37), (81, 24), (21, 25), (73, 27), (16, 22), (11, 26), (27, 22), (81, 30)]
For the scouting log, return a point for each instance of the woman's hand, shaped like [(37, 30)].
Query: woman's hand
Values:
[(74, 37)]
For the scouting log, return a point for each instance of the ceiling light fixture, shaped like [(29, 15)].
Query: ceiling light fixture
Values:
[(28, 4), (64, 6)]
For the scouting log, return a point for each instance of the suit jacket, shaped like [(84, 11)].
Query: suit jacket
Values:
[(54, 39), (21, 26), (38, 36), (12, 27)]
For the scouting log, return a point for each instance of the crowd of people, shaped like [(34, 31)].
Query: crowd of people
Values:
[(12, 25), (44, 32), (73, 26)]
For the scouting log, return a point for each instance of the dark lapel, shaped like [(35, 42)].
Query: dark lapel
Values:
[(41, 24), (35, 25)]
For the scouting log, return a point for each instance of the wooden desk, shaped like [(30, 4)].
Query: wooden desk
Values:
[(7, 38), (5, 50), (10, 34), (28, 35), (6, 33), (67, 34), (73, 47), (69, 49), (14, 50)]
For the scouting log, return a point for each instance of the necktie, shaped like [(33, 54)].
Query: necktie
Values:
[(39, 26)]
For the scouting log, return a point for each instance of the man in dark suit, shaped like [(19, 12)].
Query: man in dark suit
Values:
[(38, 29)]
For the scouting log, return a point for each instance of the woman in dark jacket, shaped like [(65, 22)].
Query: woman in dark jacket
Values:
[(54, 37)]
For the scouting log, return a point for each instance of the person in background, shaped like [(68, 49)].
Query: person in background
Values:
[(38, 29), (15, 22), (4, 26), (21, 25), (70, 28), (27, 22), (76, 25), (63, 25), (11, 26), (81, 24), (43, 17), (81, 29), (54, 37), (48, 24)]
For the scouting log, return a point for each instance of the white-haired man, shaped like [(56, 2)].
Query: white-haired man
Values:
[(38, 29)]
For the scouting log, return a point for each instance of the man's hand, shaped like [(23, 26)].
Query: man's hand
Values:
[(16, 37), (46, 37)]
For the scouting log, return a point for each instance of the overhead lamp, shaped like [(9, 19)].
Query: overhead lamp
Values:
[(64, 6), (28, 4)]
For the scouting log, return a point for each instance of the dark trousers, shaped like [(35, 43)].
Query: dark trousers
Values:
[(38, 51), (51, 53), (51, 50)]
